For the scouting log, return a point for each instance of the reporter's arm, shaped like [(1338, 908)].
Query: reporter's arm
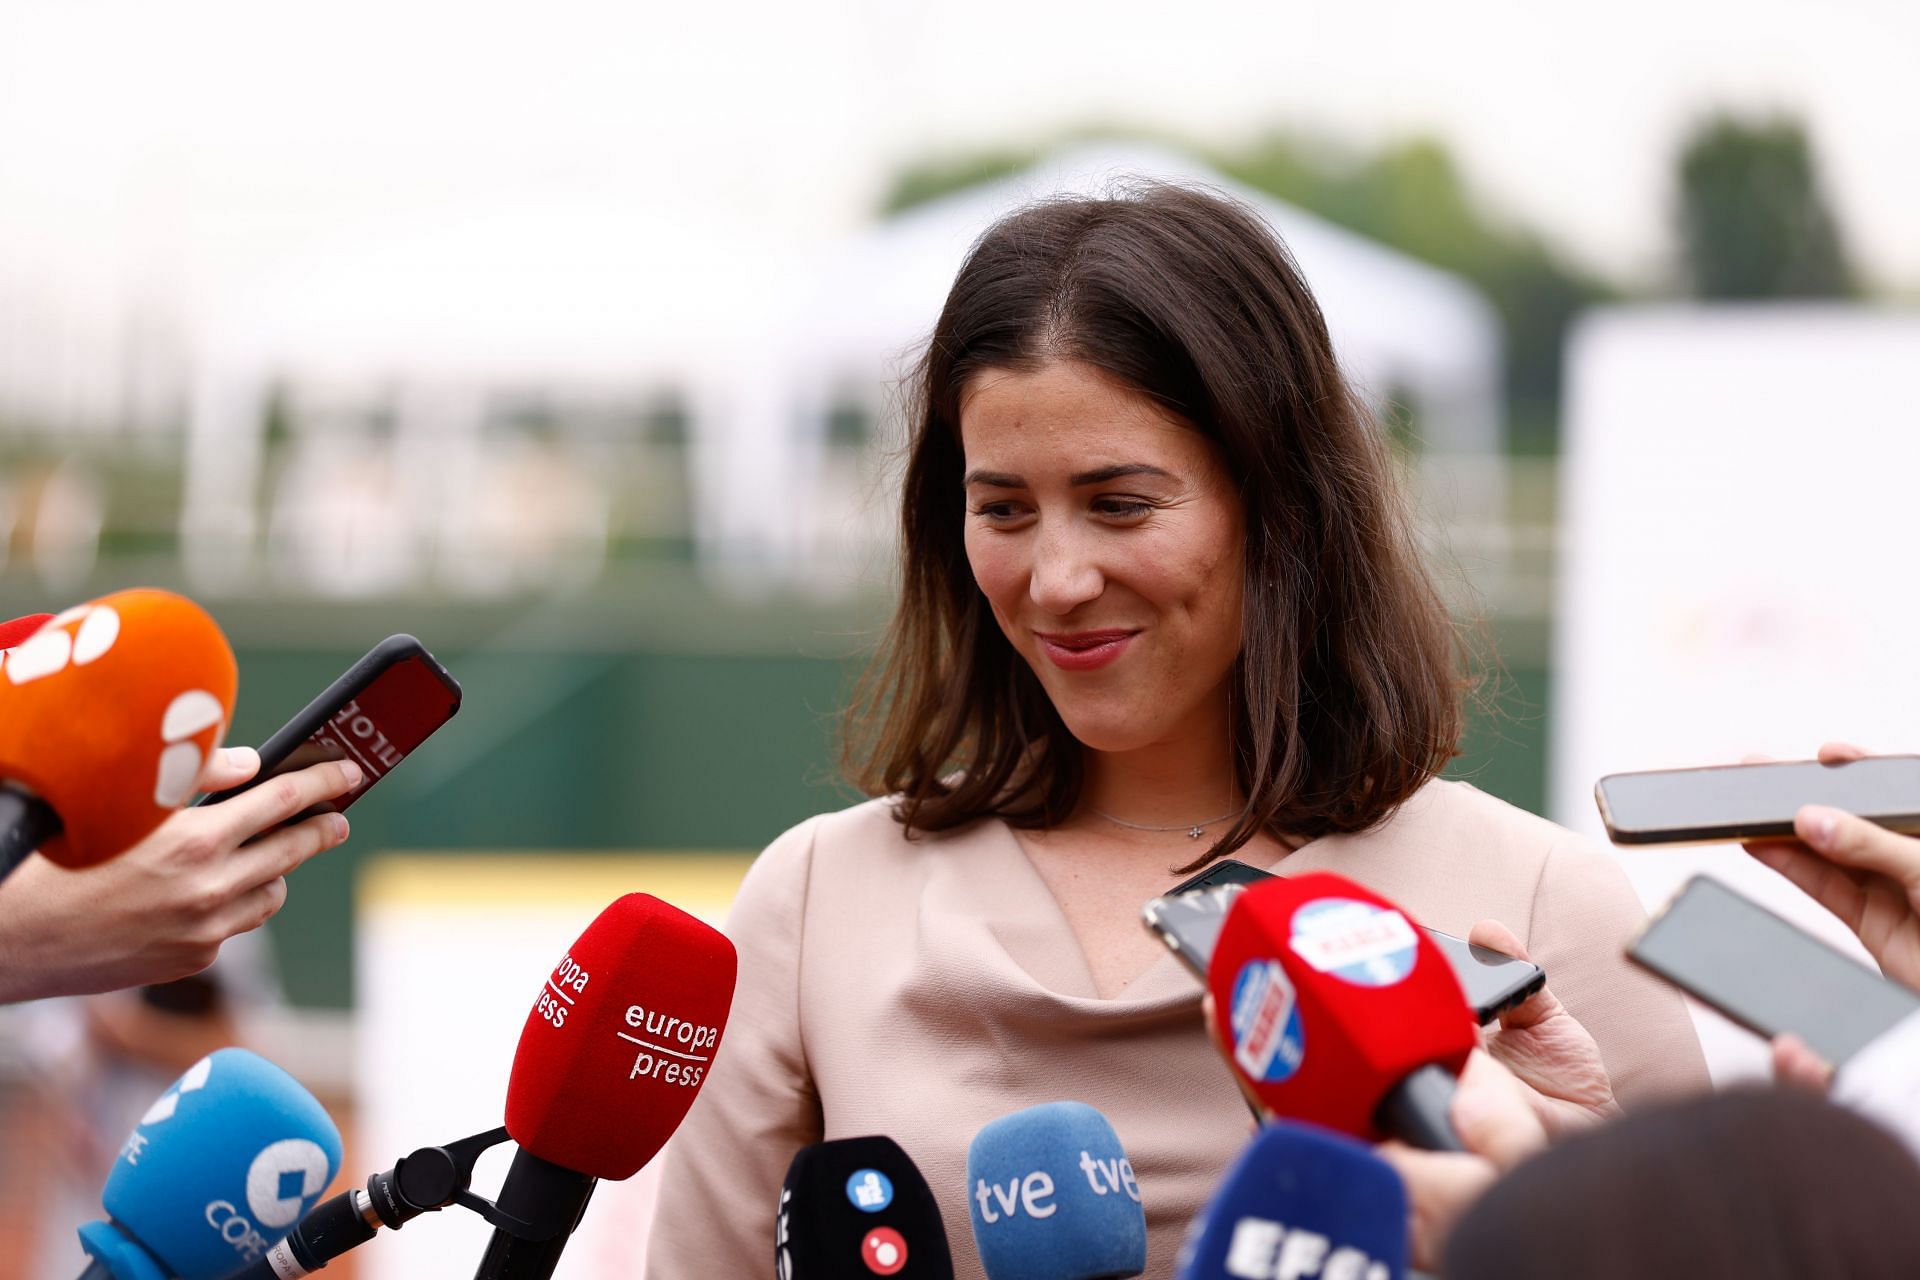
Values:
[(160, 910)]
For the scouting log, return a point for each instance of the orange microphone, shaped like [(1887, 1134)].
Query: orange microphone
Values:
[(107, 713)]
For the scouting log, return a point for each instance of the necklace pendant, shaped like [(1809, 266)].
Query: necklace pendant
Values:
[(1193, 833)]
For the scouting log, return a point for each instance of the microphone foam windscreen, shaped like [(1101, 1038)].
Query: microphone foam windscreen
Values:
[(221, 1166), (1052, 1196), (20, 629), (109, 711), (1329, 996), (856, 1207), (621, 1038), (1301, 1201)]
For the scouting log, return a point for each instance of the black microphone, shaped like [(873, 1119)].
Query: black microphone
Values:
[(858, 1206)]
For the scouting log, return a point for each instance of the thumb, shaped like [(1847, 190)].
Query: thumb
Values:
[(1854, 842), (229, 767)]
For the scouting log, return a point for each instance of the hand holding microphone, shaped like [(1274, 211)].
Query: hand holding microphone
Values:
[(110, 720)]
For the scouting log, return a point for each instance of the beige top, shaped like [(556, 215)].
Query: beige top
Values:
[(921, 989)]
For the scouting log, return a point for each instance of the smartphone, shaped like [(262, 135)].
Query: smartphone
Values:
[(1766, 973), (1754, 801), (1189, 917), (377, 714)]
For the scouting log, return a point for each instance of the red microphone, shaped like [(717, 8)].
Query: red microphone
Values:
[(616, 1049), (107, 713), (1337, 1009)]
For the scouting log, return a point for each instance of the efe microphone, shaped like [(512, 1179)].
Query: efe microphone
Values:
[(107, 713), (1338, 1010), (615, 1050), (858, 1207), (1300, 1201), (1052, 1196), (217, 1170)]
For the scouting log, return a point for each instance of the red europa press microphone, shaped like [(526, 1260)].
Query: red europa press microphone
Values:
[(107, 713), (614, 1052), (1339, 1010)]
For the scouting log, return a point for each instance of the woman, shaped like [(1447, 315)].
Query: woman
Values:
[(1159, 605)]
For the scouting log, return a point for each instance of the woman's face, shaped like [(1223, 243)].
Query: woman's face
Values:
[(1109, 541)]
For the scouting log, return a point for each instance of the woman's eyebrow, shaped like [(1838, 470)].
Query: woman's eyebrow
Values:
[(1103, 474), (1100, 475)]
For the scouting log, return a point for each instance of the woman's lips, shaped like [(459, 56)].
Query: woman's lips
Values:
[(1083, 650)]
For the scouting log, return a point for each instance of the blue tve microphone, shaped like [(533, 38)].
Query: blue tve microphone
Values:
[(1052, 1196), (1301, 1202), (217, 1170)]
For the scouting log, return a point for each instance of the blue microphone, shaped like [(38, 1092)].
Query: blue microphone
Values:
[(221, 1166), (1052, 1196), (1301, 1201)]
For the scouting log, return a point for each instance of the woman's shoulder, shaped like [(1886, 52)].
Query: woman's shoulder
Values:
[(1455, 814), (863, 839)]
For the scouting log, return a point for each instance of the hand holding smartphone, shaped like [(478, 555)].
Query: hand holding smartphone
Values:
[(376, 714)]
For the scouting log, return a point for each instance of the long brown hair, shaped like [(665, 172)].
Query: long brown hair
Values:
[(1345, 696)]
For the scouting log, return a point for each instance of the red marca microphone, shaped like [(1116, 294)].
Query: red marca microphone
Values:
[(1339, 1010), (614, 1052), (107, 713)]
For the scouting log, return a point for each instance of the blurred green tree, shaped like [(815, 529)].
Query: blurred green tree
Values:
[(1753, 221)]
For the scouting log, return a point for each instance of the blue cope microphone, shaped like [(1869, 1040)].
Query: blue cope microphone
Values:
[(1052, 1196), (217, 1170), (1301, 1202)]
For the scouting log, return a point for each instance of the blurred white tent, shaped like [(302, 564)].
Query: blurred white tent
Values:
[(438, 313), (1403, 330), (767, 348)]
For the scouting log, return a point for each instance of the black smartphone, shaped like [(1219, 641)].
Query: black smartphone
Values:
[(1766, 973), (1189, 917), (376, 714), (1754, 801)]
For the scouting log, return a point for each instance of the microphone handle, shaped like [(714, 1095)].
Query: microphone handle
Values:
[(549, 1200), (26, 823), (1416, 1109)]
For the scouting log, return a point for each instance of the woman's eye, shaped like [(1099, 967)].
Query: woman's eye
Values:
[(1125, 508), (997, 510)]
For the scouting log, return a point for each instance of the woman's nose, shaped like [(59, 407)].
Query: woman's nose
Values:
[(1065, 572)]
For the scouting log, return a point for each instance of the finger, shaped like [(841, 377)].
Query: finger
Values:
[(1536, 1008), (1854, 842), (1841, 890), (1841, 752), (277, 799), (282, 852), (1799, 1066), (1491, 1114), (228, 767), (1495, 936), (252, 909)]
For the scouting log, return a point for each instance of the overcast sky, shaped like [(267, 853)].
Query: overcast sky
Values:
[(195, 141)]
